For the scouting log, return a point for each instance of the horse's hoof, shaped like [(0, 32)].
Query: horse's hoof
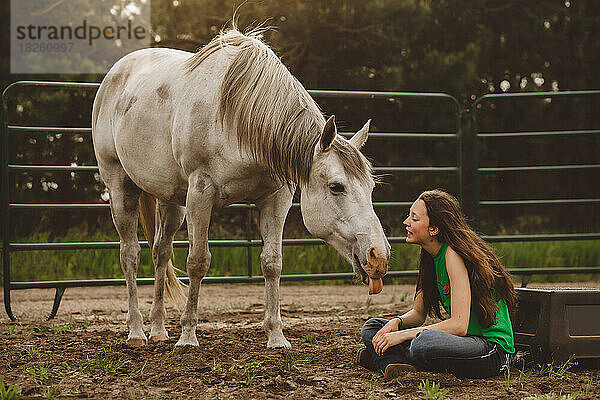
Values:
[(159, 338), (280, 342), (136, 342), (183, 344), (187, 341)]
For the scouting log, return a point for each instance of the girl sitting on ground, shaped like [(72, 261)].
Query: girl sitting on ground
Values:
[(460, 272)]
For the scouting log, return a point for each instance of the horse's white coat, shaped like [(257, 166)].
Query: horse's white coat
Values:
[(156, 128)]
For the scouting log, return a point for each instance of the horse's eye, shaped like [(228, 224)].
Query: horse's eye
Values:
[(336, 188)]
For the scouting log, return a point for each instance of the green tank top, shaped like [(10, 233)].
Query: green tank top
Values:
[(501, 332)]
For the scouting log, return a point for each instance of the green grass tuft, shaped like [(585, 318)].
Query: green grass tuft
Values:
[(107, 361), (8, 393), (557, 371), (310, 338), (432, 390), (41, 372)]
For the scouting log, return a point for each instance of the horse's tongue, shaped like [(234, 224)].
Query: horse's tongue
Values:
[(375, 285)]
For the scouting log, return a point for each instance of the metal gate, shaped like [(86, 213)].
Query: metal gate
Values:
[(479, 170), (6, 206)]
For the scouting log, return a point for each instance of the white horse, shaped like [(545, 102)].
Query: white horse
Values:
[(194, 132)]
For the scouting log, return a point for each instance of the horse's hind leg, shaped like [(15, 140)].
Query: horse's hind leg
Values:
[(273, 211), (170, 218), (124, 196)]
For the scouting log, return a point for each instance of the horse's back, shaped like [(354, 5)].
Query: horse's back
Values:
[(158, 121), (137, 104), (132, 77), (131, 70)]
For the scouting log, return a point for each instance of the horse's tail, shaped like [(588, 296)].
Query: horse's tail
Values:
[(174, 288)]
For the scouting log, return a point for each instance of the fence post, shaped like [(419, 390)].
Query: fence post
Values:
[(5, 208), (249, 238), (475, 166), (459, 159)]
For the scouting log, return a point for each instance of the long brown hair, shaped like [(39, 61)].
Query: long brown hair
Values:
[(488, 279)]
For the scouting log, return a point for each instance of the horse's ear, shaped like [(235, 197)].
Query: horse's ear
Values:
[(329, 132), (360, 137)]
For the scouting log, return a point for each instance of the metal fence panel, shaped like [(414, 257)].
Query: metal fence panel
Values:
[(249, 243), (60, 286), (478, 170)]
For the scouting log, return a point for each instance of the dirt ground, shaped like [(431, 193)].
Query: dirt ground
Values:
[(82, 352)]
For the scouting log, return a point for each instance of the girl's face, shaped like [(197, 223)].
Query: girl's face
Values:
[(417, 224)]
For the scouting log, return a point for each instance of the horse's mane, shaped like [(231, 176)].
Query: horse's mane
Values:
[(273, 115)]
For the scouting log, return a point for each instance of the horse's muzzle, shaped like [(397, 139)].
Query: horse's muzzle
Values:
[(377, 262)]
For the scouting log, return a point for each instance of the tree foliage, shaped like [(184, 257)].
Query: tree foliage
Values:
[(466, 49)]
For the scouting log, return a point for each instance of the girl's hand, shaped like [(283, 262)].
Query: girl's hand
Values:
[(391, 326), (388, 340)]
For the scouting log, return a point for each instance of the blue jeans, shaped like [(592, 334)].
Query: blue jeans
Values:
[(463, 356)]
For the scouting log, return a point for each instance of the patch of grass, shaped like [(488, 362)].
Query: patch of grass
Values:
[(374, 381), (31, 352), (507, 379), (432, 390), (8, 392), (108, 362), (368, 304), (76, 264), (251, 370), (68, 327), (400, 299), (84, 365), (318, 304), (41, 329), (310, 338), (523, 376), (13, 329), (89, 264), (166, 363), (557, 371), (6, 359), (289, 360), (139, 372), (588, 385), (51, 392), (582, 253), (40, 372), (524, 373), (356, 341)]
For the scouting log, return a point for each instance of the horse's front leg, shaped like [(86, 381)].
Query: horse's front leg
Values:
[(124, 196), (199, 203), (273, 211)]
